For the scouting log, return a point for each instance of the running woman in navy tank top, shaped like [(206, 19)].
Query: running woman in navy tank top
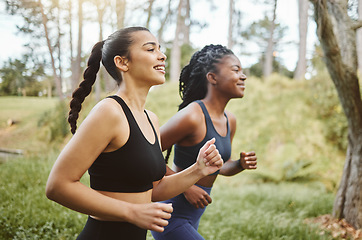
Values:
[(118, 143), (213, 77)]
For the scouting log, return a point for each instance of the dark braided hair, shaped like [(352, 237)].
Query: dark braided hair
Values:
[(193, 81), (117, 44)]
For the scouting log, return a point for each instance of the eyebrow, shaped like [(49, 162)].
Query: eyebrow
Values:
[(151, 43)]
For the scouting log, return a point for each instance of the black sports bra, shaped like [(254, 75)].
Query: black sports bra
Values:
[(133, 167)]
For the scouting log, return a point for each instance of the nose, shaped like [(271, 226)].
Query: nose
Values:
[(162, 56), (243, 76)]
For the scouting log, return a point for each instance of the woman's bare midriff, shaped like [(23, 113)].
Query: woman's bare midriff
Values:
[(139, 197), (207, 181)]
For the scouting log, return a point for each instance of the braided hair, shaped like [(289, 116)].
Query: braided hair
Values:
[(117, 44), (193, 81)]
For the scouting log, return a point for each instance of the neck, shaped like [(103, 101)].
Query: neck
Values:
[(218, 104), (135, 96)]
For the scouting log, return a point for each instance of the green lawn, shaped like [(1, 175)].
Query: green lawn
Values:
[(241, 208)]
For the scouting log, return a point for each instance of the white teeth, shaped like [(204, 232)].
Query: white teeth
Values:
[(160, 68)]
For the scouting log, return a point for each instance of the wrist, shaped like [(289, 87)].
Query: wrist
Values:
[(240, 167), (197, 171), (129, 212)]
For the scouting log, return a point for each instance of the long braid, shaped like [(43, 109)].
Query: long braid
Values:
[(193, 81), (85, 87)]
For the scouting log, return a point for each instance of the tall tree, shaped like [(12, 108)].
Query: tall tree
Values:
[(231, 24), (149, 12), (121, 12), (259, 33), (268, 59), (182, 37), (337, 33), (163, 23), (175, 67), (186, 23), (101, 6), (303, 6), (39, 22), (57, 77), (359, 38), (77, 60)]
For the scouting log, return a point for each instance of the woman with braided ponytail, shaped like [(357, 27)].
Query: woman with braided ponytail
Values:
[(118, 144), (213, 77)]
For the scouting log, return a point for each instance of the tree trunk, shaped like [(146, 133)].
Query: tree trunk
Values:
[(359, 38), (77, 69), (268, 63), (101, 8), (163, 23), (175, 67), (186, 23), (59, 46), (341, 61), (231, 25), (121, 12), (58, 80), (303, 28), (70, 6), (149, 12)]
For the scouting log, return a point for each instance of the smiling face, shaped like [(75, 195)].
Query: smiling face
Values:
[(146, 61), (229, 78)]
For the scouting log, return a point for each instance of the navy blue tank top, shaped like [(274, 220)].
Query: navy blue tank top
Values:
[(185, 156), (133, 167)]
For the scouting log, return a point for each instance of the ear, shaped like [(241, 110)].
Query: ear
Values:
[(211, 78), (121, 63)]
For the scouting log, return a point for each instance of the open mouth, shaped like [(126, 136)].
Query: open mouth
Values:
[(160, 68)]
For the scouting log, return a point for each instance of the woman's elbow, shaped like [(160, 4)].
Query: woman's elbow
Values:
[(52, 189)]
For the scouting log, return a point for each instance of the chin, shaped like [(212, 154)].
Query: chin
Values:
[(241, 95), (160, 81)]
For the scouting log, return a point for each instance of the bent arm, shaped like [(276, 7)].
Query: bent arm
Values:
[(208, 161), (64, 186), (246, 160)]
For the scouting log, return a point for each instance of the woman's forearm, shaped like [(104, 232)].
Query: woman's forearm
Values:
[(175, 184), (83, 199), (231, 167)]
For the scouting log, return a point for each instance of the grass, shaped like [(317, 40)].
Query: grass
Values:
[(293, 181), (247, 210), (26, 111), (241, 208)]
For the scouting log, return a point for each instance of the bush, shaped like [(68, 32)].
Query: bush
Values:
[(53, 123), (330, 112)]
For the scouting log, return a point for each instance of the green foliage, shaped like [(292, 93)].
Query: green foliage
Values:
[(259, 32), (330, 112), (243, 210), (26, 213), (247, 210), (263, 211), (53, 123), (256, 70), (274, 119), (17, 78)]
